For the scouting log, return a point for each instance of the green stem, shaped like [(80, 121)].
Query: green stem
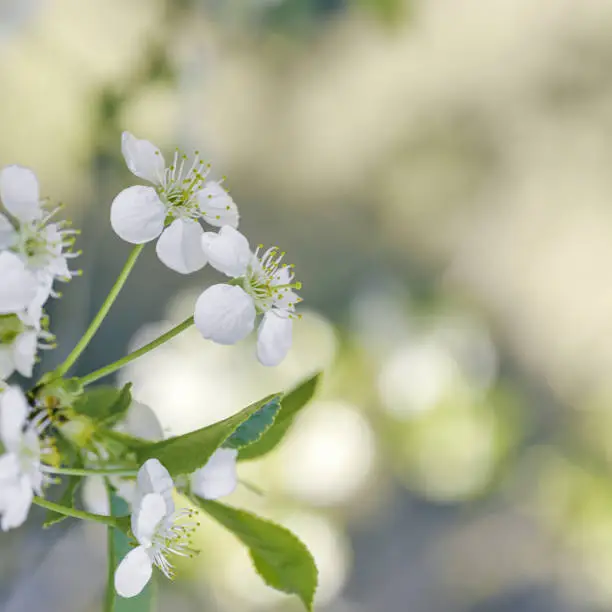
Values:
[(251, 487), (108, 302), (80, 514), (113, 367), (83, 472), (109, 599)]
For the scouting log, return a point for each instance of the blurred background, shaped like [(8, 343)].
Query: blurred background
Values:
[(439, 172)]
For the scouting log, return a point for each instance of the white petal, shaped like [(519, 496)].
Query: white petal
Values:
[(147, 516), (8, 234), (217, 206), (9, 471), (285, 299), (34, 312), (153, 477), (16, 511), (125, 489), (95, 495), (138, 215), (143, 158), (7, 363), (225, 314), (284, 276), (13, 413), (274, 338), (218, 477), (180, 246), (25, 352), (228, 251), (18, 287), (19, 193), (133, 573), (142, 422)]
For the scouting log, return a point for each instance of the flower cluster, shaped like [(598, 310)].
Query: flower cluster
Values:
[(34, 253), (59, 428), (171, 211)]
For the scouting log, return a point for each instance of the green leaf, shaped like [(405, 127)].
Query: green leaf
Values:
[(67, 499), (104, 404), (255, 426), (292, 403), (185, 454), (279, 557), (118, 547)]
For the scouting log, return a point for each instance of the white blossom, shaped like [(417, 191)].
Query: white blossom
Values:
[(180, 196), (18, 286), (43, 247), (226, 313), (159, 529), (20, 338), (218, 477), (20, 467)]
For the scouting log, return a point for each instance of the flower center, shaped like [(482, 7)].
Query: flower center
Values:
[(173, 536), (40, 243), (268, 281), (180, 184)]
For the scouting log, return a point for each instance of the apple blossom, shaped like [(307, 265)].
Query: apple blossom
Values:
[(171, 209), (20, 468), (158, 527), (226, 313), (43, 247)]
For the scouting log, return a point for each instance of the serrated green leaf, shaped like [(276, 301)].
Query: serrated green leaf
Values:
[(185, 454), (255, 426), (118, 547), (279, 556), (291, 404), (105, 405)]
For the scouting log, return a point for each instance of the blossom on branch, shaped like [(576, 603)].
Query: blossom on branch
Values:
[(172, 208)]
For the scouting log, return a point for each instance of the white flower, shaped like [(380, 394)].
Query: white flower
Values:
[(158, 528), (43, 247), (218, 477), (181, 195), (20, 469), (20, 339), (227, 313), (18, 286)]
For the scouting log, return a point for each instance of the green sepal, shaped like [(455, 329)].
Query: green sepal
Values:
[(104, 405)]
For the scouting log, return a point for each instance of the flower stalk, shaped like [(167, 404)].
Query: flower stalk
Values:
[(104, 309), (117, 365), (74, 513)]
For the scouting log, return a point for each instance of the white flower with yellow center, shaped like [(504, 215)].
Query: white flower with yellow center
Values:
[(43, 247), (20, 468), (171, 209), (159, 529), (226, 313)]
